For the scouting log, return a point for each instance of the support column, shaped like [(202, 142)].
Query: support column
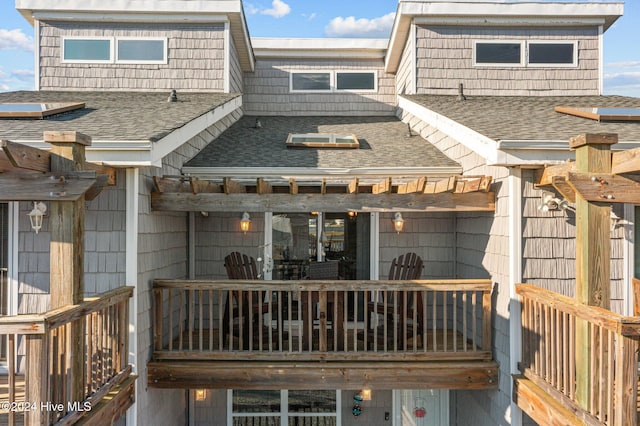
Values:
[(593, 251), (66, 224)]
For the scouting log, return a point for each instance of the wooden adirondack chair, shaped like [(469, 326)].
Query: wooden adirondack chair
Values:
[(242, 267), (407, 266)]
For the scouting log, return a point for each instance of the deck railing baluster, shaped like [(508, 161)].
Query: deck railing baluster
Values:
[(549, 333), (334, 319)]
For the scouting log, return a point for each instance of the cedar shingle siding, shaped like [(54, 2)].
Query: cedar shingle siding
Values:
[(195, 58), (266, 91), (445, 59)]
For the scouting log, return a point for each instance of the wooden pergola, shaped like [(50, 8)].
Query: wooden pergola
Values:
[(335, 194), (601, 339), (63, 178)]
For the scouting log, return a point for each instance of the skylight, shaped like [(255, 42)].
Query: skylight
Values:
[(602, 114), (322, 140), (36, 110)]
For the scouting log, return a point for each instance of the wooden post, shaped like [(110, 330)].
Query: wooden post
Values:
[(66, 225), (37, 379), (593, 248)]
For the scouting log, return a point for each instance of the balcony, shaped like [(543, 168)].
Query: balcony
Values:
[(322, 334), (562, 382), (61, 387)]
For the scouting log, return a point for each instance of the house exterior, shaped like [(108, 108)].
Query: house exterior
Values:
[(460, 90)]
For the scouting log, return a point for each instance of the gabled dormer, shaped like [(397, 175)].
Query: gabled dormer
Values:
[(502, 49), (146, 45)]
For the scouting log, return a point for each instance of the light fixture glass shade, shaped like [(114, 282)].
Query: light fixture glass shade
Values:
[(36, 215), (245, 222), (398, 222), (366, 394), (201, 394)]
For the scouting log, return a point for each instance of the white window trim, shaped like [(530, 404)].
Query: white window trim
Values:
[(499, 64), (524, 53), (311, 71), (375, 81), (333, 81), (163, 61), (574, 64), (113, 50), (86, 61)]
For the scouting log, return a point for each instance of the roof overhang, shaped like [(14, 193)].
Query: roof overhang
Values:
[(492, 14), (346, 48), (147, 153), (504, 152), (230, 11)]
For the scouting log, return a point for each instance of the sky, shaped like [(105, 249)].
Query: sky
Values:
[(325, 18)]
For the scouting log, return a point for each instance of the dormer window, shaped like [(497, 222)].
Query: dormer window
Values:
[(119, 50), (552, 53), (333, 81), (498, 53), (520, 53)]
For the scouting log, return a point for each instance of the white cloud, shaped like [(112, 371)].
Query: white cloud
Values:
[(623, 83), (362, 27), (23, 75), (15, 40), (250, 9), (278, 9), (309, 16), (4, 87)]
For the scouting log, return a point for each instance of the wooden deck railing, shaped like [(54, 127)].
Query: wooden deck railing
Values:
[(322, 320), (549, 352), (47, 364)]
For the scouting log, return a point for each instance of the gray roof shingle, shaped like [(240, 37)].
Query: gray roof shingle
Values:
[(530, 117), (383, 143), (111, 115)]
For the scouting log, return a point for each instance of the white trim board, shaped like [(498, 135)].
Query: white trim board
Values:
[(131, 276)]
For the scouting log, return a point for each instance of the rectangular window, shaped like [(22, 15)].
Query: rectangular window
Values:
[(87, 50), (498, 53), (282, 407), (356, 81), (552, 53), (140, 50), (310, 81)]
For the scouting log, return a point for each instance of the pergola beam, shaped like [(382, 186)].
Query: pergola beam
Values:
[(303, 203)]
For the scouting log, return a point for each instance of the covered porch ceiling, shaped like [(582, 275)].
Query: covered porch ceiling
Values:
[(363, 193)]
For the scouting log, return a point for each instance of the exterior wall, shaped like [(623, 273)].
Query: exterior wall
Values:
[(235, 73), (445, 59), (549, 248), (481, 251), (406, 74), (162, 253), (431, 236), (267, 90), (218, 235), (104, 260), (372, 411), (195, 58)]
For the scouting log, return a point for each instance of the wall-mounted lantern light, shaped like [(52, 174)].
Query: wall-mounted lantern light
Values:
[(36, 215), (201, 394), (245, 222), (366, 394), (398, 222)]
